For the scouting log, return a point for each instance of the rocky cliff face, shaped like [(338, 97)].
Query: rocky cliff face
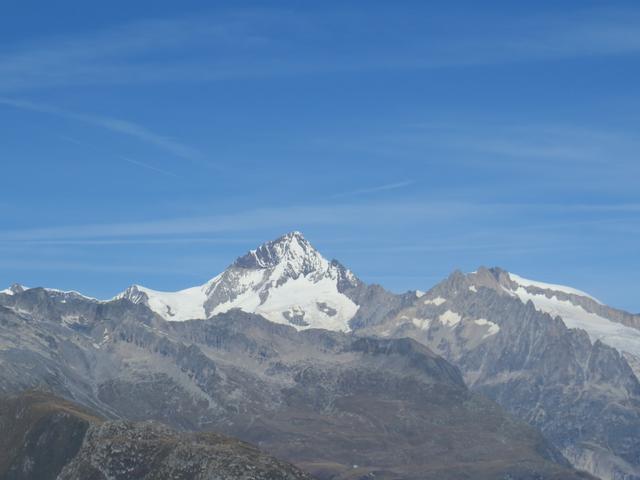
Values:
[(335, 404), (47, 438), (553, 356), (583, 396)]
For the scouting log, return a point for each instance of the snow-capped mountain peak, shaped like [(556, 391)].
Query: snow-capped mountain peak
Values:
[(285, 280), (578, 309), (533, 285), (291, 250), (13, 289), (178, 306)]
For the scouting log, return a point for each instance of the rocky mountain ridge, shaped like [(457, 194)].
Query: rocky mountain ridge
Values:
[(582, 394), (551, 355), (338, 405), (48, 438)]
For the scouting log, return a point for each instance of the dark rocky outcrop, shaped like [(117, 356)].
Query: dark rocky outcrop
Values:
[(46, 438)]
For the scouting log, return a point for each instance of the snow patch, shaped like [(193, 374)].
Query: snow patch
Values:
[(493, 328), (71, 320), (422, 323), (435, 301), (69, 293), (182, 305), (450, 319), (304, 294)]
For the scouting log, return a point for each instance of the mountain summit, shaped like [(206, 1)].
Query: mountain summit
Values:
[(551, 355), (285, 280), (291, 249)]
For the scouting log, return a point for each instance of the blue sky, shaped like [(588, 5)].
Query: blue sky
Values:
[(154, 142)]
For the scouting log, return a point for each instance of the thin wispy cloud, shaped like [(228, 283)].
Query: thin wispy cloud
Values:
[(124, 158), (547, 151), (123, 127), (96, 267), (140, 241), (570, 144), (147, 166), (569, 157), (518, 106), (370, 215), (284, 218), (271, 42), (377, 189)]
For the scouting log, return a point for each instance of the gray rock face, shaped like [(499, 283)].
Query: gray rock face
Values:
[(45, 437), (121, 450), (375, 304), (337, 405), (583, 396), (571, 385)]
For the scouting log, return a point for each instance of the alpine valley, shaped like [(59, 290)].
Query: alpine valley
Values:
[(487, 375)]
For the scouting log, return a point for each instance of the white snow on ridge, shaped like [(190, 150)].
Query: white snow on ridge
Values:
[(435, 301), (13, 289), (21, 288), (295, 295), (301, 295), (550, 286), (285, 281), (450, 319), (614, 334), (493, 328), (68, 292), (187, 304)]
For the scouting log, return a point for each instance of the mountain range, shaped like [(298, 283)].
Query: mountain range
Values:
[(486, 375)]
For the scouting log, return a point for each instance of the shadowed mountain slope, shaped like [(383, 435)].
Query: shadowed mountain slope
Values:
[(337, 405), (45, 438), (579, 391)]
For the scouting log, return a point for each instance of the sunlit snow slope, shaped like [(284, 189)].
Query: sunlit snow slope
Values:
[(286, 280), (573, 307)]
